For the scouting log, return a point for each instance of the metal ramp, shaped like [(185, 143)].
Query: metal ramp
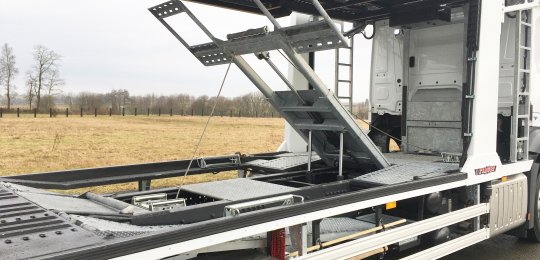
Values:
[(317, 115), (521, 109)]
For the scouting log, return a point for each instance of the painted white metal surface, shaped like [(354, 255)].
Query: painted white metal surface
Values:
[(534, 141), (373, 242), (451, 246), (386, 70), (482, 150), (507, 63), (293, 142), (535, 67)]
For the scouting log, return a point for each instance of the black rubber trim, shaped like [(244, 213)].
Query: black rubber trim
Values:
[(212, 227)]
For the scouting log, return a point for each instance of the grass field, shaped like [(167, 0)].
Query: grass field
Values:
[(44, 144)]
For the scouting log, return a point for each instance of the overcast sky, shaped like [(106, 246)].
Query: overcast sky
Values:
[(109, 44)]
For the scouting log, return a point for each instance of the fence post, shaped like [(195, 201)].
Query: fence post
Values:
[(123, 111), (1, 112), (81, 112), (95, 112), (239, 113), (135, 112), (182, 112), (110, 111), (159, 112), (191, 111), (67, 112), (256, 114), (148, 112), (35, 113), (50, 112), (171, 112), (18, 113)]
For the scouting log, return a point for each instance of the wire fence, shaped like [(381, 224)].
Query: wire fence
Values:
[(67, 112)]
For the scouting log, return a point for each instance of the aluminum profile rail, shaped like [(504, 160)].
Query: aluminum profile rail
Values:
[(451, 246), (370, 243)]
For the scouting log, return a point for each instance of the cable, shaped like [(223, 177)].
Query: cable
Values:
[(204, 131), (282, 54), (363, 32)]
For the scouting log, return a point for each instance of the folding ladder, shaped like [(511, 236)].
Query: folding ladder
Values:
[(317, 114), (521, 109), (344, 73)]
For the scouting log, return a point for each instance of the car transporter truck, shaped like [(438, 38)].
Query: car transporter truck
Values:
[(454, 83)]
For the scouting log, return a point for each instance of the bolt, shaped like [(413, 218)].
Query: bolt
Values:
[(58, 232), (7, 241), (25, 238), (42, 235)]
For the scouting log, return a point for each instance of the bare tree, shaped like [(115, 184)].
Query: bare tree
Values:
[(8, 71), (46, 61), (52, 85), (31, 83)]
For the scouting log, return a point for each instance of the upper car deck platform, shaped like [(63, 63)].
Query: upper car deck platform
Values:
[(345, 10)]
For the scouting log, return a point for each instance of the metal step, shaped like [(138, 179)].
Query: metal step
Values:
[(317, 109), (321, 127), (326, 127)]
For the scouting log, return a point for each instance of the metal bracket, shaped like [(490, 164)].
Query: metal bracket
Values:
[(237, 209)]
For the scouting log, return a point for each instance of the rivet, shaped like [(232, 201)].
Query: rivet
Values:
[(8, 241), (42, 235), (25, 238), (58, 232)]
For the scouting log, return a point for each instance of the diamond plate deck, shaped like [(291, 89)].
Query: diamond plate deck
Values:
[(285, 162), (236, 189), (408, 167), (30, 231)]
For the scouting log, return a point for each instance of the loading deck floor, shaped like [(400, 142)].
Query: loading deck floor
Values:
[(408, 167)]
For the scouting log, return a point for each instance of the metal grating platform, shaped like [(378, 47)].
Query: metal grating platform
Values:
[(284, 162), (236, 189), (408, 167)]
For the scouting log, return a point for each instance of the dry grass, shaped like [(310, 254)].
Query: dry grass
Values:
[(50, 144), (45, 144)]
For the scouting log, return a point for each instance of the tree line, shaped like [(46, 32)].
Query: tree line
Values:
[(43, 79), (43, 92), (120, 101)]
